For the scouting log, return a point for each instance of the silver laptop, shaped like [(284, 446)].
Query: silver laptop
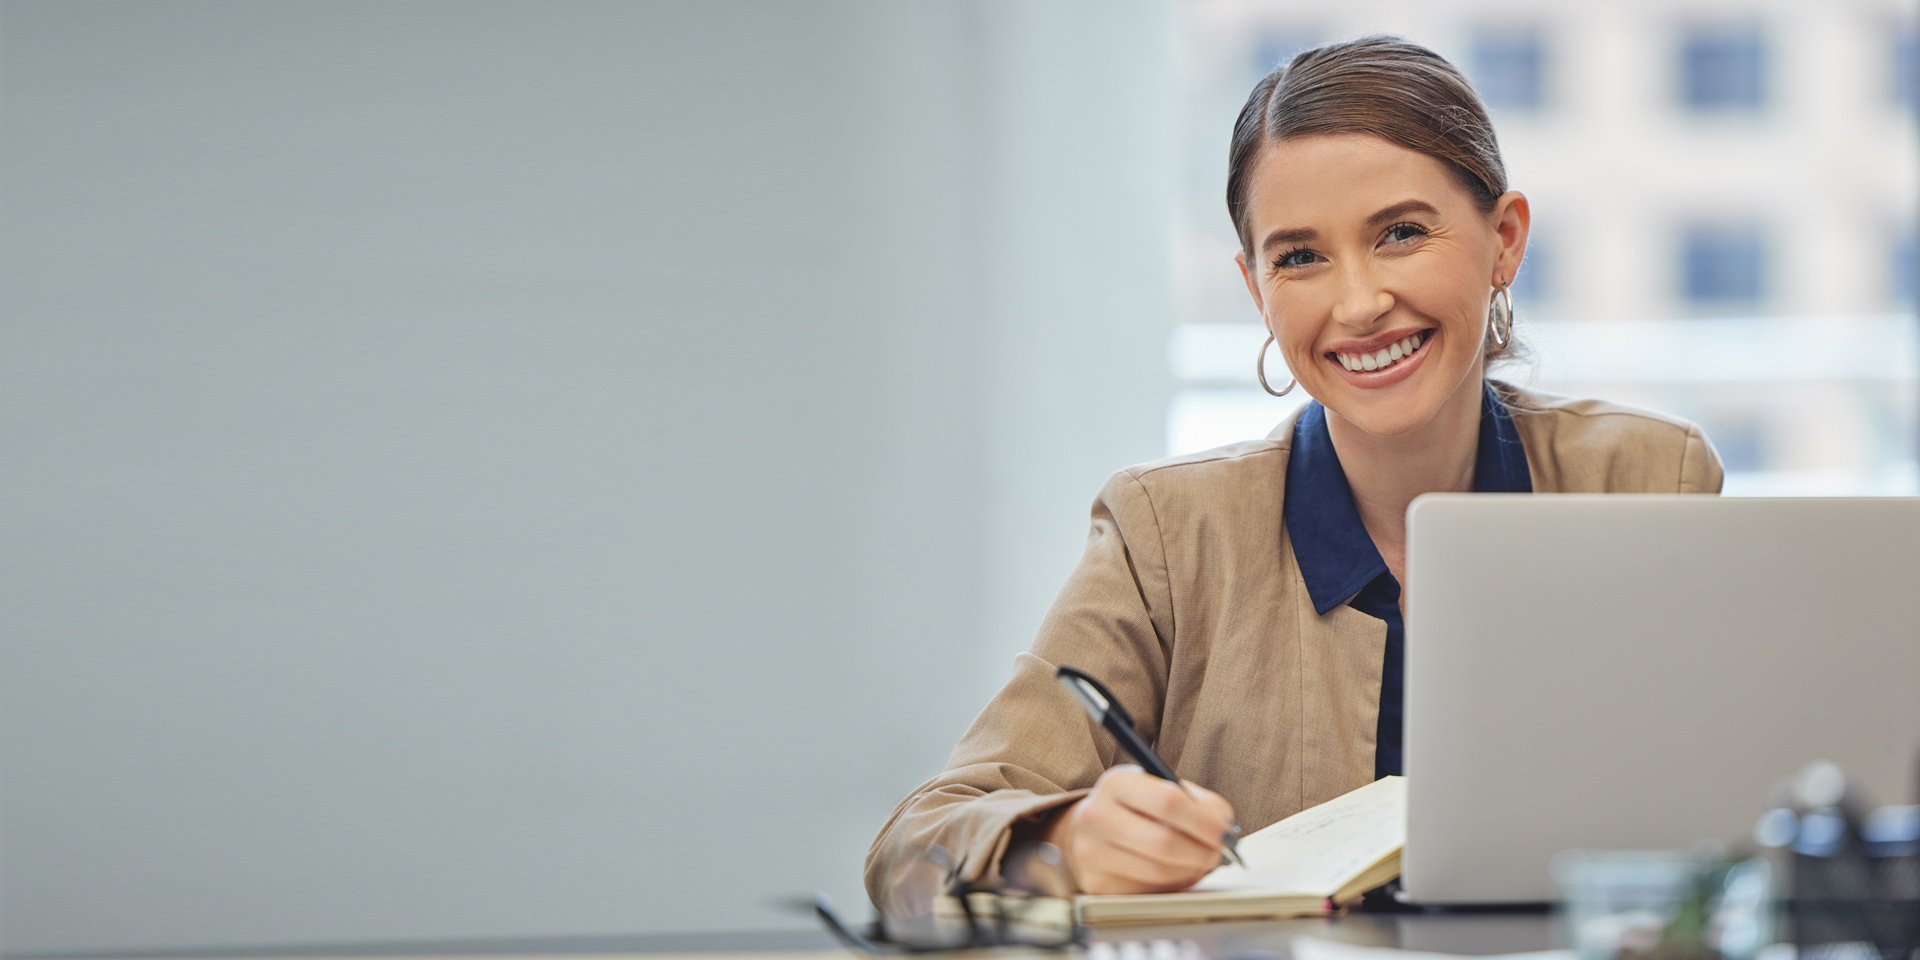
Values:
[(1641, 672)]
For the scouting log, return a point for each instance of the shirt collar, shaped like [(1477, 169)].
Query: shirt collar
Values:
[(1337, 558)]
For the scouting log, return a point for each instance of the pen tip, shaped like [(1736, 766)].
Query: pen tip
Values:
[(1232, 853)]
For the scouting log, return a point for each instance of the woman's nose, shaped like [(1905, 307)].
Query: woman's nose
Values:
[(1362, 299)]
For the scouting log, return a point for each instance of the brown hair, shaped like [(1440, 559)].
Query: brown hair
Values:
[(1382, 86)]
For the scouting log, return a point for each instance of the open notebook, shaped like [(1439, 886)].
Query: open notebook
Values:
[(1313, 862)]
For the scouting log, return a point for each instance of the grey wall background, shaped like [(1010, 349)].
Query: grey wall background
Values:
[(495, 469)]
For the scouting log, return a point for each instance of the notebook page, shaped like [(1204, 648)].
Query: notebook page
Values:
[(1320, 848)]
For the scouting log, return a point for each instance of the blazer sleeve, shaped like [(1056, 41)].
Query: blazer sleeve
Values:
[(1033, 749), (1700, 470)]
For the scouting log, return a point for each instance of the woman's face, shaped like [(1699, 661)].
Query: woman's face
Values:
[(1361, 246)]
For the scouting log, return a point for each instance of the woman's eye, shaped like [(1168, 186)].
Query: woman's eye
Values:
[(1299, 257), (1405, 232)]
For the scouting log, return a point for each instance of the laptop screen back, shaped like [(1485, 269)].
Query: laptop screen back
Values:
[(1642, 672)]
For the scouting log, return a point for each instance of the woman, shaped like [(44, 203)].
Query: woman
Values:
[(1243, 603)]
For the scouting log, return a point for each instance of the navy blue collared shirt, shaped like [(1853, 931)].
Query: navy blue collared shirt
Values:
[(1337, 557)]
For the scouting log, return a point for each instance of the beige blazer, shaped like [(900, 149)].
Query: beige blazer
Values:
[(1190, 607)]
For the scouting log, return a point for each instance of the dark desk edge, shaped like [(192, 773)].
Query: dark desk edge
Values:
[(740, 941)]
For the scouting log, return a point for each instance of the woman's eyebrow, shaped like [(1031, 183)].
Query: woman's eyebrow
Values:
[(1401, 209), (1384, 215), (1295, 235)]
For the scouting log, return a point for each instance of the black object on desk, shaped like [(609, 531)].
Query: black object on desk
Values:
[(1107, 712), (1855, 876)]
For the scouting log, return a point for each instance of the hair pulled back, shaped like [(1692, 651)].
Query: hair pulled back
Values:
[(1386, 87)]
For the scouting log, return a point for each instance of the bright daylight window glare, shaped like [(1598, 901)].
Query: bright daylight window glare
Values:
[(1698, 246)]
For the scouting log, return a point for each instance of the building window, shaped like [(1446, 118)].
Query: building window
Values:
[(1741, 441), (1725, 266), (1509, 69), (1723, 68)]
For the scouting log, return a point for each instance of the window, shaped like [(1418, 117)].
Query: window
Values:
[(1741, 441), (1724, 266), (1508, 68), (1723, 68)]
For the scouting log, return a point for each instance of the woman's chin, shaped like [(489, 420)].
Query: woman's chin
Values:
[(1389, 413), (1397, 424), (1394, 415)]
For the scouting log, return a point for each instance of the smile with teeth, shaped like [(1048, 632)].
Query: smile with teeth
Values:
[(1386, 356)]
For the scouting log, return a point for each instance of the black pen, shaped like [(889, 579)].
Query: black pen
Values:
[(1107, 712)]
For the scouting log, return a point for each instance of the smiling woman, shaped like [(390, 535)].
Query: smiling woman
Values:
[(1349, 272), (1244, 603)]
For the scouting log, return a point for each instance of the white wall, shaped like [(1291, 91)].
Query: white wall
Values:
[(523, 468)]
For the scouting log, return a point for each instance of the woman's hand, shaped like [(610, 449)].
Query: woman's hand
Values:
[(1137, 833)]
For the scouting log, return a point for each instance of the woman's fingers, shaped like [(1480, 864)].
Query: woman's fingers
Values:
[(1123, 824), (1115, 869), (1195, 811), (1215, 804), (1135, 833)]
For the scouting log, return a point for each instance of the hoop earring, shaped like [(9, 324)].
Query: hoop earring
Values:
[(1500, 317), (1260, 370)]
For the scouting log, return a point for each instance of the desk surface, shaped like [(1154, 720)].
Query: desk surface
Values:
[(1473, 933), (1477, 934)]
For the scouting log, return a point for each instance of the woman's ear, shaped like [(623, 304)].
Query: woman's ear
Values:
[(1512, 217), (1253, 285)]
